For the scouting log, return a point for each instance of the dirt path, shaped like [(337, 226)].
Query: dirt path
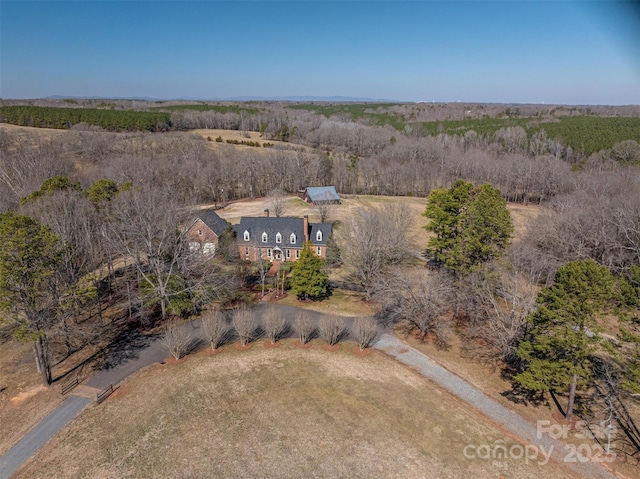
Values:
[(505, 418)]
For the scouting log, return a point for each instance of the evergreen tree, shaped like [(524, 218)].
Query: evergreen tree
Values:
[(472, 225), (51, 185), (564, 334), (308, 280), (29, 255)]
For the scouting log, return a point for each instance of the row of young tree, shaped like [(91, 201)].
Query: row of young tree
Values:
[(242, 324)]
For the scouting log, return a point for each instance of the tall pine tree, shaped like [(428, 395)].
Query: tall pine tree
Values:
[(472, 225), (564, 334), (29, 255)]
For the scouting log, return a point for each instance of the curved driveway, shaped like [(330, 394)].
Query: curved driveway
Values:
[(137, 351)]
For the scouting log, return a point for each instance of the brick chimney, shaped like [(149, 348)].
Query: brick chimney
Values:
[(305, 227), (266, 213)]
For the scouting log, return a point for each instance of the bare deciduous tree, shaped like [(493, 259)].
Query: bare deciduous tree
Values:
[(277, 200), (373, 239), (325, 206), (274, 324), (365, 330), (145, 226), (505, 297), (332, 328), (177, 338), (215, 327), (305, 329), (245, 324), (420, 297)]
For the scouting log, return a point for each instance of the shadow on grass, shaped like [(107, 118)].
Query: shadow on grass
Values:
[(519, 394)]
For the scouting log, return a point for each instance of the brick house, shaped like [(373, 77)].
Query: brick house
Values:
[(279, 239), (204, 233), (321, 194)]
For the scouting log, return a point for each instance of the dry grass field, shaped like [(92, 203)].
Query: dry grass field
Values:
[(244, 136), (283, 412), (24, 401), (294, 206)]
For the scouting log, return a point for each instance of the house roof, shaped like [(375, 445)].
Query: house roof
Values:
[(325, 228), (322, 193), (214, 222), (274, 225)]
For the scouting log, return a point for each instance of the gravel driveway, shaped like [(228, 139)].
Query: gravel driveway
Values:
[(499, 414)]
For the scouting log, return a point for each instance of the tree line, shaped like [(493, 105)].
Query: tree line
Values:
[(63, 118)]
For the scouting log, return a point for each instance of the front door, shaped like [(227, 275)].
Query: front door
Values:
[(277, 255)]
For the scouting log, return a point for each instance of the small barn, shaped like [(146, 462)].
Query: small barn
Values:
[(321, 195)]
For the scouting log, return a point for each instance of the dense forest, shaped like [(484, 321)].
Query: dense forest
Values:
[(130, 167)]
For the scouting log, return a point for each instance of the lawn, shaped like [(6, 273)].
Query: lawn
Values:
[(341, 302), (283, 412)]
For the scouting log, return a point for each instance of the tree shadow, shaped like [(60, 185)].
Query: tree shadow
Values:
[(344, 334), (127, 346), (519, 394), (287, 332), (229, 336), (196, 344)]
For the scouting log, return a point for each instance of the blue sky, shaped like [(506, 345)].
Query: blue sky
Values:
[(508, 51)]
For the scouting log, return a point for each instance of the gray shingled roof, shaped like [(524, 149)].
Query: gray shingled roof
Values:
[(325, 228), (214, 222), (322, 193), (274, 225)]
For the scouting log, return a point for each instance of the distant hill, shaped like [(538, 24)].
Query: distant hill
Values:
[(345, 99)]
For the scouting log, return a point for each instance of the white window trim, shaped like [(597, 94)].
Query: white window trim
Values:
[(265, 237), (319, 235), (319, 250), (247, 237), (292, 238), (268, 252), (278, 238), (288, 253), (297, 254)]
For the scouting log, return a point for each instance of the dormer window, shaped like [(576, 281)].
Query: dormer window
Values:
[(278, 238), (292, 238), (246, 235), (265, 237), (319, 235)]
